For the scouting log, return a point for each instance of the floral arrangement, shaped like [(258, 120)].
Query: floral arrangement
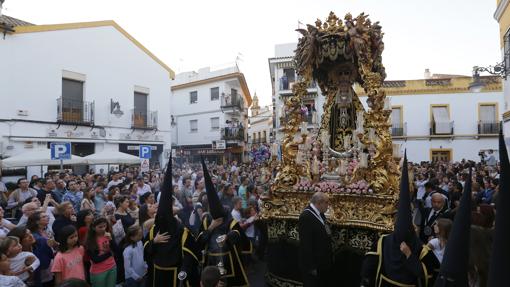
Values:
[(360, 187)]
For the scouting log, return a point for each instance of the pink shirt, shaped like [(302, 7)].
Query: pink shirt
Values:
[(70, 264), (104, 246)]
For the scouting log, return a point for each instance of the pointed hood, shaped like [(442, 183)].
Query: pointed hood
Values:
[(403, 223), (454, 268), (500, 258), (164, 216), (215, 207)]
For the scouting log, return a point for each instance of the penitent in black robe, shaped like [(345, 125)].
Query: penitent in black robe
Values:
[(166, 260), (231, 253), (387, 266)]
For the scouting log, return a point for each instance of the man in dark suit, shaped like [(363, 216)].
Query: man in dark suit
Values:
[(315, 250), (429, 216)]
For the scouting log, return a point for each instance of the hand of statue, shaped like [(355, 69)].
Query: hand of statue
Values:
[(161, 238), (215, 223), (404, 248)]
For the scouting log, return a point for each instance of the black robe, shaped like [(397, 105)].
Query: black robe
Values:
[(387, 266), (237, 243), (166, 260)]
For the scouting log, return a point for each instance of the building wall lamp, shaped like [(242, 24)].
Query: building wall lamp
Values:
[(498, 70), (115, 109)]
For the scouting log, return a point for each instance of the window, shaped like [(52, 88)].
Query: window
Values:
[(488, 118), (264, 136), (193, 126), (254, 137), (441, 155), (140, 110), (71, 107), (441, 123), (397, 125), (193, 97), (215, 94), (215, 124)]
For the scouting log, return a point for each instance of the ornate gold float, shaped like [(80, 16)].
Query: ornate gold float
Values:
[(351, 155)]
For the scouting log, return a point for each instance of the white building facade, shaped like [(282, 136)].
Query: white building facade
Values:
[(261, 123), (283, 76), (210, 114), (90, 84)]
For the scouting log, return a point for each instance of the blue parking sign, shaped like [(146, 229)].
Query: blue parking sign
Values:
[(60, 151), (145, 151)]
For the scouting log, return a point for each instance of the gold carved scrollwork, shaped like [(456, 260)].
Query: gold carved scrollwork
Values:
[(338, 53)]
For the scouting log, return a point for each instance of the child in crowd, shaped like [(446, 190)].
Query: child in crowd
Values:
[(135, 267), (99, 245), (68, 262), (437, 245), (7, 279), (23, 263)]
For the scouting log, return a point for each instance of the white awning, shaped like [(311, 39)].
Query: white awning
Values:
[(111, 157), (38, 157)]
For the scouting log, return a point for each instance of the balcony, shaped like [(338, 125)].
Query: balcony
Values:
[(147, 120), (488, 128), (234, 134), (398, 130), (438, 129), (232, 103), (75, 112)]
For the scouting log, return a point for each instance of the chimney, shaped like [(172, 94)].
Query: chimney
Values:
[(1, 3), (427, 74)]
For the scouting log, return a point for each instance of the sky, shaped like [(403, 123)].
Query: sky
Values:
[(446, 36)]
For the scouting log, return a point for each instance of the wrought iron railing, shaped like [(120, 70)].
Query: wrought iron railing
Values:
[(144, 119), (232, 101), (485, 128), (441, 128), (232, 134), (398, 130), (75, 112)]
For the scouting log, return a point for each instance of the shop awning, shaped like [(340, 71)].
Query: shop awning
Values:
[(111, 157), (38, 157)]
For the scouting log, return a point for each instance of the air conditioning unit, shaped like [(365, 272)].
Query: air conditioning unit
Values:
[(22, 113)]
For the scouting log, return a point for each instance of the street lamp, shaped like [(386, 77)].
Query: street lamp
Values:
[(477, 85)]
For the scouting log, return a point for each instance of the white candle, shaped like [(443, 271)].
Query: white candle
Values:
[(387, 104), (343, 167), (315, 165), (347, 142), (359, 122), (396, 150), (371, 134), (363, 160)]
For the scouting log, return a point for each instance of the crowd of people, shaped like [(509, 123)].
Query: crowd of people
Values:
[(91, 228)]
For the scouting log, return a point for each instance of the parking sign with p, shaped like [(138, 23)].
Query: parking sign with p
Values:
[(145, 151), (60, 151)]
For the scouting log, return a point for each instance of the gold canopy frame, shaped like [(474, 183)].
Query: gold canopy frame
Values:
[(338, 54)]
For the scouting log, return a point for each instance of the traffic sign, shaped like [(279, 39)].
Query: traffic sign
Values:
[(60, 151), (145, 151), (144, 165)]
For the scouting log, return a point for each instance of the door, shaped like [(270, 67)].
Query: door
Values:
[(444, 155)]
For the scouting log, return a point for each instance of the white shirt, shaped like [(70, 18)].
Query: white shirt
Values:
[(317, 213), (236, 214), (11, 281), (18, 263), (114, 182), (4, 230), (421, 188), (436, 248), (142, 190), (134, 265)]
